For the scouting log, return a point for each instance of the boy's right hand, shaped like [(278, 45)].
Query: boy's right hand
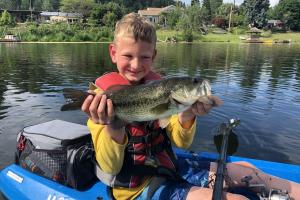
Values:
[(99, 109)]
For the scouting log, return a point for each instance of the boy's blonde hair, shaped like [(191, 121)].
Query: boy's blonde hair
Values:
[(135, 26)]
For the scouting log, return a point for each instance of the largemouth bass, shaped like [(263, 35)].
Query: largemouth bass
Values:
[(154, 100)]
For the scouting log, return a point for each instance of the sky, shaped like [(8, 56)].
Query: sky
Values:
[(238, 2)]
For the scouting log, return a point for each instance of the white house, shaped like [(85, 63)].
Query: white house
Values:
[(60, 17), (153, 14)]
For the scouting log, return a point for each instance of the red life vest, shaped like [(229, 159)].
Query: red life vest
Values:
[(148, 151)]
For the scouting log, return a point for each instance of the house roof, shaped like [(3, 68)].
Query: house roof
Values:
[(61, 14), (271, 21), (155, 11), (150, 11)]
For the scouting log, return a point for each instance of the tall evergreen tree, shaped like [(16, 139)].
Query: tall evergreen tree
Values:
[(214, 5), (256, 12), (195, 2), (206, 5)]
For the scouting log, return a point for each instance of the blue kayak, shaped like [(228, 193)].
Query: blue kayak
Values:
[(18, 183)]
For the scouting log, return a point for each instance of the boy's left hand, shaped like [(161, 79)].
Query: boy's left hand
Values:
[(200, 109)]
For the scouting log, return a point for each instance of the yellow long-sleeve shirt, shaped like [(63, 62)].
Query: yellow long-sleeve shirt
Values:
[(110, 155)]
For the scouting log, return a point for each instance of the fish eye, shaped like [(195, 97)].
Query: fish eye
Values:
[(196, 80)]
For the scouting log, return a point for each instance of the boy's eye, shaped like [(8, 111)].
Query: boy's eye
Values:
[(127, 56), (146, 57)]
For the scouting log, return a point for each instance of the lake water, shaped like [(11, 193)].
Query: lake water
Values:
[(259, 84)]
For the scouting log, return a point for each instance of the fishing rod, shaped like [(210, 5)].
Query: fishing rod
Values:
[(224, 130)]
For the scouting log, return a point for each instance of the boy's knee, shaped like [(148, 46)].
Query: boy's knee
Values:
[(230, 196)]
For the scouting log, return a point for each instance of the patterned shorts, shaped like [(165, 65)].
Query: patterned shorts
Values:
[(194, 173)]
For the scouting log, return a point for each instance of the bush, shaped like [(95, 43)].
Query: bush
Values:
[(188, 35)]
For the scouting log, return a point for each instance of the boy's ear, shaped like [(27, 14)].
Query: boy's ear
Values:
[(112, 52)]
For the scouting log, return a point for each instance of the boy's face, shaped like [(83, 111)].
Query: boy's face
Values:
[(133, 58)]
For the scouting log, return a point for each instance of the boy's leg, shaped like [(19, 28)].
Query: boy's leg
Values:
[(197, 193), (237, 171)]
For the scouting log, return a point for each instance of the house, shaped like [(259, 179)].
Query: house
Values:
[(275, 24), (154, 14), (60, 17)]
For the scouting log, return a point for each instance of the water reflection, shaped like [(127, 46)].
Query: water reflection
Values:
[(259, 84)]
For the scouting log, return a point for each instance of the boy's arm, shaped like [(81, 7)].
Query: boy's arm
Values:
[(182, 127), (181, 135), (109, 153)]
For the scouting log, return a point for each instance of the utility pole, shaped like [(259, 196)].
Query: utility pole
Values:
[(30, 8), (230, 15)]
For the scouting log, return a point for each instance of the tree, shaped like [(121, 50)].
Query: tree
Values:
[(289, 12), (256, 12), (77, 6), (6, 19), (195, 2), (109, 19), (206, 5), (223, 12), (107, 14), (197, 17), (184, 24), (214, 5), (171, 18)]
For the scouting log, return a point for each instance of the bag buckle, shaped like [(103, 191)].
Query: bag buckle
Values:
[(21, 143)]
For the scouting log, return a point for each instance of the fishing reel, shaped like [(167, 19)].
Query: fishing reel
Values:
[(263, 194)]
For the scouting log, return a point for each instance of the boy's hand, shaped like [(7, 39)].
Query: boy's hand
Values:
[(99, 109), (199, 109)]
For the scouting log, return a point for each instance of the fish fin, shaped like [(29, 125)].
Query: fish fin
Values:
[(161, 108), (176, 99), (94, 89), (93, 86), (74, 99), (205, 100), (117, 87), (163, 123)]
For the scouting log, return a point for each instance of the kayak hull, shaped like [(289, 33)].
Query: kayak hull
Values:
[(18, 183)]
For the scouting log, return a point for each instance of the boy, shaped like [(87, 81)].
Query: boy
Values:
[(132, 174)]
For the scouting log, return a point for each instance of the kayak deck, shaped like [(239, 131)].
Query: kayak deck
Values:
[(18, 183)]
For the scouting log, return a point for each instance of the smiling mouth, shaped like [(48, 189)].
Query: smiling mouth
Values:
[(133, 72)]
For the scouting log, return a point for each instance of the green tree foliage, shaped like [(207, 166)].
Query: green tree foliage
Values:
[(6, 19), (77, 6), (289, 12), (184, 24), (110, 19), (256, 12), (223, 12), (171, 18), (107, 14), (195, 2), (197, 17), (214, 5), (206, 5)]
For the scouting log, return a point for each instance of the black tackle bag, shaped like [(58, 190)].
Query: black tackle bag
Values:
[(58, 150)]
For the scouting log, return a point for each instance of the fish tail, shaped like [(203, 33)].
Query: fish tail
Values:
[(74, 99)]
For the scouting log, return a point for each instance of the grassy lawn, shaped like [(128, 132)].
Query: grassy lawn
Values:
[(294, 37), (228, 37)]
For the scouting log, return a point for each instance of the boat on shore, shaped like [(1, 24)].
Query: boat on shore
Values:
[(10, 38)]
